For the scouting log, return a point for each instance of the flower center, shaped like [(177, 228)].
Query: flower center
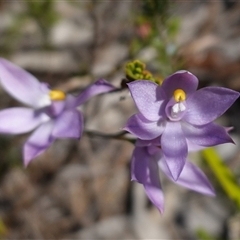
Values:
[(179, 106), (179, 95), (57, 95)]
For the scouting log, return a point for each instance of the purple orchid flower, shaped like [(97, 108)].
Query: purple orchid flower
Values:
[(146, 160), (52, 113), (180, 115)]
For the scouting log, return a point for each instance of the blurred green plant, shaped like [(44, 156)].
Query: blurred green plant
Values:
[(203, 235), (223, 174), (42, 12), (10, 155), (3, 229), (155, 28), (136, 70)]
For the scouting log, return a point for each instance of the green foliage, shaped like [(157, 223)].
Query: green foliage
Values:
[(136, 70), (155, 8), (41, 12), (223, 174), (3, 228), (155, 28), (203, 235)]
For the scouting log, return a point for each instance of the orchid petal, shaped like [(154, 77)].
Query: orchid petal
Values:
[(56, 108), (68, 125), (22, 85), (174, 147), (139, 164), (191, 177), (207, 135), (38, 142), (207, 104), (143, 128), (147, 98), (145, 143), (100, 86), (20, 120), (180, 80), (70, 101), (192, 147), (153, 186)]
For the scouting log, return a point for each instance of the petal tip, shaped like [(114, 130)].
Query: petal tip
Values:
[(26, 161)]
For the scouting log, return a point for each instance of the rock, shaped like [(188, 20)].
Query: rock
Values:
[(18, 187), (46, 61), (108, 57), (147, 54), (117, 227), (234, 227), (205, 213), (72, 190), (67, 33), (47, 164)]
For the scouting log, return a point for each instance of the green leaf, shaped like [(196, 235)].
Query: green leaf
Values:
[(223, 174)]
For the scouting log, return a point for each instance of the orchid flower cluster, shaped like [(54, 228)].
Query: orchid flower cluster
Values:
[(174, 118)]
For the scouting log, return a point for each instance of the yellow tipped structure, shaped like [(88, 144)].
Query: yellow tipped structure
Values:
[(57, 95), (179, 95)]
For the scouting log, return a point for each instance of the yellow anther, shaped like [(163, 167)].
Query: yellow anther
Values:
[(179, 95), (57, 95)]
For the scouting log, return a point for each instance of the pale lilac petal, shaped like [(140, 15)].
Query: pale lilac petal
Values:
[(139, 164), (70, 101), (143, 128), (68, 125), (38, 142), (19, 120), (180, 80), (207, 135), (194, 147), (191, 177), (207, 104), (100, 86), (153, 187), (147, 98), (22, 85), (174, 147)]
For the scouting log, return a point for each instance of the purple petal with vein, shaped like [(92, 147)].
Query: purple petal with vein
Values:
[(207, 104), (207, 135), (192, 147), (139, 164), (180, 80), (100, 86), (38, 142), (143, 128), (19, 120), (144, 94), (153, 186), (22, 85), (68, 125), (191, 177), (174, 147)]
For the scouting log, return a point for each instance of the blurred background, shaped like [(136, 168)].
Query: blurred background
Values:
[(82, 190)]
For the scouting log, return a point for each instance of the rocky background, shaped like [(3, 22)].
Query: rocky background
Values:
[(82, 190)]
